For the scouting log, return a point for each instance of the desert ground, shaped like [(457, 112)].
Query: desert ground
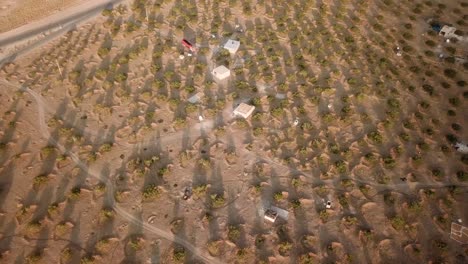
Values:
[(15, 13), (358, 102)]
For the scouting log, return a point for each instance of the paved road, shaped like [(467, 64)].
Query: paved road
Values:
[(64, 22)]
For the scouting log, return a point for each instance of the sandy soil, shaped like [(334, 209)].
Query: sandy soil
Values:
[(20, 12), (98, 143)]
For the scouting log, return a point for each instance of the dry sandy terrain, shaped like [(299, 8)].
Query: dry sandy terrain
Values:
[(15, 13), (98, 142)]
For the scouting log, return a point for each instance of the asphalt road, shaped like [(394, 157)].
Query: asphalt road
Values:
[(66, 22)]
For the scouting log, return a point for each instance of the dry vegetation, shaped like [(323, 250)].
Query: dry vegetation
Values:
[(94, 160)]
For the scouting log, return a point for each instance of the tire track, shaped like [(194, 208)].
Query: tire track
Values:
[(41, 105)]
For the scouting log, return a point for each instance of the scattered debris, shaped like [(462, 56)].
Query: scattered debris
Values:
[(398, 51), (296, 122), (221, 72), (200, 118), (239, 28), (188, 45), (151, 219), (459, 233), (244, 110), (187, 193), (460, 147), (181, 56), (328, 204)]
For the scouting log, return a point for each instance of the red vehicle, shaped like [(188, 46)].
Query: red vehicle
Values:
[(188, 45)]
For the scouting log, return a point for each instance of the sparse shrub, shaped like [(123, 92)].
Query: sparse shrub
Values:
[(40, 180), (375, 137), (33, 227), (351, 220), (284, 248), (48, 150), (324, 215), (398, 222), (106, 214), (437, 173), (415, 207), (34, 257), (136, 243), (278, 196), (200, 190), (75, 192), (217, 200), (340, 166), (179, 254), (389, 162), (296, 203), (462, 176), (233, 233), (405, 137), (106, 147), (151, 192), (450, 73)]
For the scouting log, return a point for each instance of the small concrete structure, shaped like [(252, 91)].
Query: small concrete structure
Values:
[(244, 110), (195, 98), (232, 46), (271, 215), (448, 32), (281, 212), (221, 72)]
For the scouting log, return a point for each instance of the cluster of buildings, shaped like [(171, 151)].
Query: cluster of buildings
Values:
[(222, 73)]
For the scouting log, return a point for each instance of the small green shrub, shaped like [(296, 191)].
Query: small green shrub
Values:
[(151, 192)]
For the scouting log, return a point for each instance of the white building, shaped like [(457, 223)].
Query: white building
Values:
[(221, 72), (244, 110), (232, 46), (449, 32)]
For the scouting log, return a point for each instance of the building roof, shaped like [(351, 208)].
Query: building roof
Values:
[(195, 98), (232, 45), (221, 72), (244, 110)]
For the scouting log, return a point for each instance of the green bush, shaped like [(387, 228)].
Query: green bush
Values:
[(375, 136), (217, 200), (398, 222), (151, 192)]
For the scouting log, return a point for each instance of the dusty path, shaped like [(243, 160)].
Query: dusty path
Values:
[(109, 185)]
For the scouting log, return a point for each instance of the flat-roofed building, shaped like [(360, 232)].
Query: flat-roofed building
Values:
[(221, 72), (232, 46), (244, 110)]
